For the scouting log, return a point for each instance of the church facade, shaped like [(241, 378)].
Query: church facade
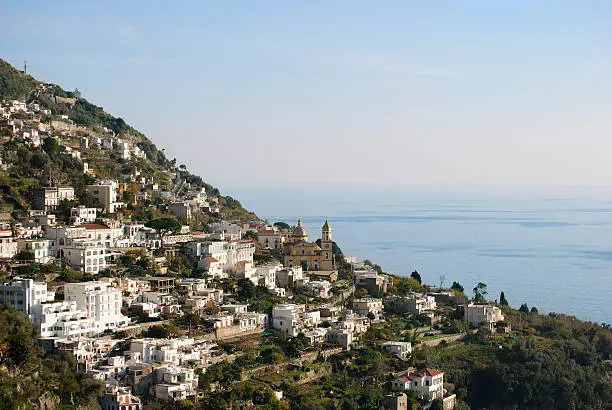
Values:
[(310, 256)]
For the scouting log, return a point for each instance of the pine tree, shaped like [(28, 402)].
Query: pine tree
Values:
[(502, 299)]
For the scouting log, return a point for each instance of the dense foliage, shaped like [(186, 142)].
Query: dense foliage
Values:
[(14, 85), (28, 377)]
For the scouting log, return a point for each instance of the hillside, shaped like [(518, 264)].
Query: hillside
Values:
[(14, 85), (73, 122)]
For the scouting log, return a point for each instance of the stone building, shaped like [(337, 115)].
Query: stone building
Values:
[(308, 255)]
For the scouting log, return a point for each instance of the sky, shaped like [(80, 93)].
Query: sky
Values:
[(345, 93)]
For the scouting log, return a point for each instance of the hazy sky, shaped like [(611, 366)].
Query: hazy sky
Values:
[(355, 93)]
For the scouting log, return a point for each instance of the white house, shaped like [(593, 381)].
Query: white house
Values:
[(285, 317), (119, 398), (482, 314), (228, 254), (8, 244), (427, 383), (403, 350), (101, 302), (270, 239), (106, 193), (63, 320), (339, 336), (81, 215), (317, 288), (23, 294), (367, 306), (234, 308), (85, 255), (48, 198), (38, 247), (252, 321), (110, 237)]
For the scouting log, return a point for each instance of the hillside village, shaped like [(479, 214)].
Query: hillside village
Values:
[(168, 293)]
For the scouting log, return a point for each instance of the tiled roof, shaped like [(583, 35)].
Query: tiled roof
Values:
[(424, 372)]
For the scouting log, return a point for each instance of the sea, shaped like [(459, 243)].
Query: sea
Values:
[(548, 248)]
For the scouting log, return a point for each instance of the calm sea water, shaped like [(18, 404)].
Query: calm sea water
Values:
[(550, 250)]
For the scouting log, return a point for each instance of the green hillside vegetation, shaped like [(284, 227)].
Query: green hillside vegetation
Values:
[(14, 85)]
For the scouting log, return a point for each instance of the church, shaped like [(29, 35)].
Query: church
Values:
[(310, 256)]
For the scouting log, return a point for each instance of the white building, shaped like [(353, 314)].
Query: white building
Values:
[(270, 239), (101, 302), (316, 335), (119, 398), (339, 336), (285, 317), (106, 193), (286, 277), (8, 244), (110, 237), (265, 275), (227, 254), (227, 228), (234, 308), (427, 383), (38, 247), (182, 209), (82, 215), (403, 350), (367, 306), (482, 314), (317, 288), (85, 255), (48, 198), (252, 321), (416, 304), (23, 294), (63, 320)]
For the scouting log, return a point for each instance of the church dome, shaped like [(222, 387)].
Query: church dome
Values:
[(300, 231)]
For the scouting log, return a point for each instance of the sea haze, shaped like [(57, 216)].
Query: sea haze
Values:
[(549, 250)]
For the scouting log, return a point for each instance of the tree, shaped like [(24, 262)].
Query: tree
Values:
[(164, 226), (24, 256), (437, 404), (415, 275), (246, 289), (252, 235), (524, 308), (406, 285), (457, 286), (534, 310), (283, 226), (480, 291), (502, 299), (158, 331), (50, 146)]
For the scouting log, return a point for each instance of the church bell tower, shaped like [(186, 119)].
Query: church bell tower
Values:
[(326, 247)]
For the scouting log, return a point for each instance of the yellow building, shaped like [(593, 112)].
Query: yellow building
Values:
[(310, 256)]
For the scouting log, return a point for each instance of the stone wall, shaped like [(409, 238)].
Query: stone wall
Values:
[(234, 331)]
